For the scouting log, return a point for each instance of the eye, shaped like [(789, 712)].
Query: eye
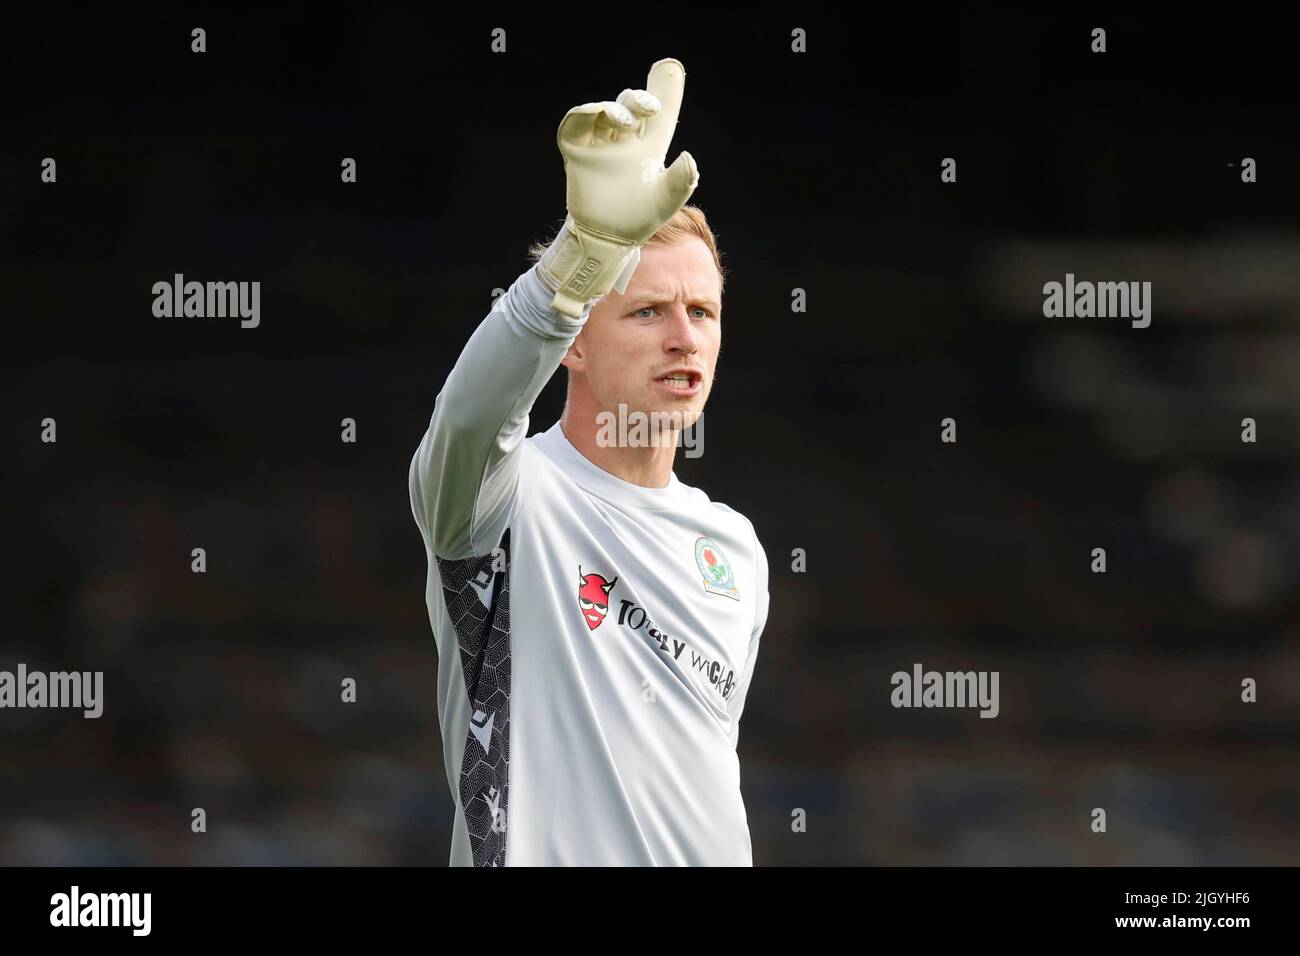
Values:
[(638, 312), (706, 313), (584, 603)]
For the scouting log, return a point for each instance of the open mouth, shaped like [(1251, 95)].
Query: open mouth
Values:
[(686, 381)]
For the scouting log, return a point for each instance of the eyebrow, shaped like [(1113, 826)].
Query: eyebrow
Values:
[(658, 297)]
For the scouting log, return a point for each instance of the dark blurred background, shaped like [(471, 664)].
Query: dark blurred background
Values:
[(820, 171)]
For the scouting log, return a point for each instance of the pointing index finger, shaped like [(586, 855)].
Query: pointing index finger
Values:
[(666, 81)]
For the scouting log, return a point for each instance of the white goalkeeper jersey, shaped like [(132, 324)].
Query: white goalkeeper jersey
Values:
[(595, 638)]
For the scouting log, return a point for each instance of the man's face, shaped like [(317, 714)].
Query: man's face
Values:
[(654, 348)]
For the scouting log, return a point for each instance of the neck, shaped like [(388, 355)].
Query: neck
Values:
[(649, 466)]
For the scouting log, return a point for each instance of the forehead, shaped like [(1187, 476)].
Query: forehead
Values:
[(682, 270)]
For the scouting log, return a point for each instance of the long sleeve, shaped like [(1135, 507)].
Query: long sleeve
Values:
[(464, 477)]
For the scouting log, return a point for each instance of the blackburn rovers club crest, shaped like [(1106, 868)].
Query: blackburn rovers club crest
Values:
[(719, 578)]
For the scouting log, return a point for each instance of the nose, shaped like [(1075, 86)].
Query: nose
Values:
[(681, 334)]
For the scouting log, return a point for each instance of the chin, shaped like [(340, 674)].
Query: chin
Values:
[(681, 417), (656, 414), (690, 415)]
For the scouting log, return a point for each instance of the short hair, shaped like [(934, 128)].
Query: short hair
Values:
[(684, 223)]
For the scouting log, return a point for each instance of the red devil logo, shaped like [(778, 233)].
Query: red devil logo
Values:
[(593, 597)]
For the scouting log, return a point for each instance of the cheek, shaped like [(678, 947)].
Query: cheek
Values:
[(711, 351), (620, 362)]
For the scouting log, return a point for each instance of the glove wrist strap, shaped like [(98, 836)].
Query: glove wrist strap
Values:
[(580, 266)]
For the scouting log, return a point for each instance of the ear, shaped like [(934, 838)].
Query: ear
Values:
[(573, 359)]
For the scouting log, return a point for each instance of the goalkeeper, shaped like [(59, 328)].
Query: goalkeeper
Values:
[(597, 621)]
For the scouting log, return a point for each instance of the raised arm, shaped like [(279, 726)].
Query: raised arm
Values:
[(464, 476)]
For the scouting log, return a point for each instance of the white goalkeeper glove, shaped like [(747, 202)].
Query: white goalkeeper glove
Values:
[(619, 192)]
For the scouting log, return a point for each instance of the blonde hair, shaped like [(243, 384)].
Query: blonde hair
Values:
[(684, 223)]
